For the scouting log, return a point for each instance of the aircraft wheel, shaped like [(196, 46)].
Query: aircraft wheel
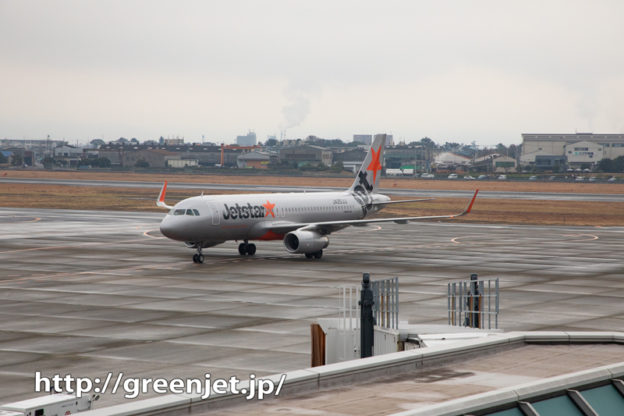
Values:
[(194, 258), (309, 255), (242, 249), (318, 254), (200, 258), (251, 249)]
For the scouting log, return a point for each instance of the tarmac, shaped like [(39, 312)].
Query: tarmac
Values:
[(88, 292)]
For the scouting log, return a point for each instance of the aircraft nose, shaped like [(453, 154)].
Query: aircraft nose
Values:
[(167, 228)]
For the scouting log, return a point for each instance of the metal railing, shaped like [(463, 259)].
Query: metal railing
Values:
[(385, 312), (348, 329), (474, 303), (349, 308), (386, 306)]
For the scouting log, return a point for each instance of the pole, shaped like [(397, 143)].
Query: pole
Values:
[(366, 318), (474, 297)]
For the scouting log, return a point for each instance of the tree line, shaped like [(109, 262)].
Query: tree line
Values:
[(612, 165)]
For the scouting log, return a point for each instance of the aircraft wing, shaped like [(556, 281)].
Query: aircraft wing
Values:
[(328, 227), (403, 201), (282, 227)]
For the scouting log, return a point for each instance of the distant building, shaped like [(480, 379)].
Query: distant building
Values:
[(448, 161), (366, 139), (31, 144), (584, 154), (349, 154), (505, 164), (70, 155), (209, 155), (19, 156), (182, 163), (67, 151), (406, 157), (551, 147), (37, 149), (248, 140), (205, 154), (256, 160), (174, 142), (6, 155), (496, 163), (128, 157), (351, 158), (306, 154), (550, 162)]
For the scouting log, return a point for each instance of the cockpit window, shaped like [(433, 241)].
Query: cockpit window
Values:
[(189, 212), (196, 212), (179, 212)]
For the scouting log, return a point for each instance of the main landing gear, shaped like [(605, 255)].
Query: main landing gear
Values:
[(199, 257), (246, 249), (316, 255)]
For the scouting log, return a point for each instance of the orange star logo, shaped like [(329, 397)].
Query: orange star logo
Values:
[(269, 209), (375, 166)]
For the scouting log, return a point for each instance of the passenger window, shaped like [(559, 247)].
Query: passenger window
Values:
[(179, 212), (189, 212), (196, 212)]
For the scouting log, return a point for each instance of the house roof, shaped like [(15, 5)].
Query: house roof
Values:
[(583, 143), (450, 157)]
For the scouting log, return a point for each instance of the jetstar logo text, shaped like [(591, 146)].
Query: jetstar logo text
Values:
[(248, 211)]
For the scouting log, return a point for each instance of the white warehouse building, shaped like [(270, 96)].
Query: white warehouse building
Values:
[(579, 149), (583, 153)]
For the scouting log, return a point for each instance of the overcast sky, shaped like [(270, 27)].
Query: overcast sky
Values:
[(450, 70)]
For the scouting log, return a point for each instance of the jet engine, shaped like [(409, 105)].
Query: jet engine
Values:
[(305, 241)]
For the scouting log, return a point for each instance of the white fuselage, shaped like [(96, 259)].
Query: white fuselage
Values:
[(241, 217)]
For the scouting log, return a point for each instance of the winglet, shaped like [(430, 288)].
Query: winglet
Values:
[(161, 197), (467, 211)]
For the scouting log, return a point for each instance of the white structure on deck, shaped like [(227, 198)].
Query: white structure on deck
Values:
[(51, 404)]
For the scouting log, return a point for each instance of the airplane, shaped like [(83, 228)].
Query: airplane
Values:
[(302, 220)]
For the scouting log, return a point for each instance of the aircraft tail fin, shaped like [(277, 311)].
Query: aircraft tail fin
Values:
[(367, 179), (160, 202)]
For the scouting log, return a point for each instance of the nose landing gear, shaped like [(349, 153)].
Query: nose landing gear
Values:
[(199, 257)]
